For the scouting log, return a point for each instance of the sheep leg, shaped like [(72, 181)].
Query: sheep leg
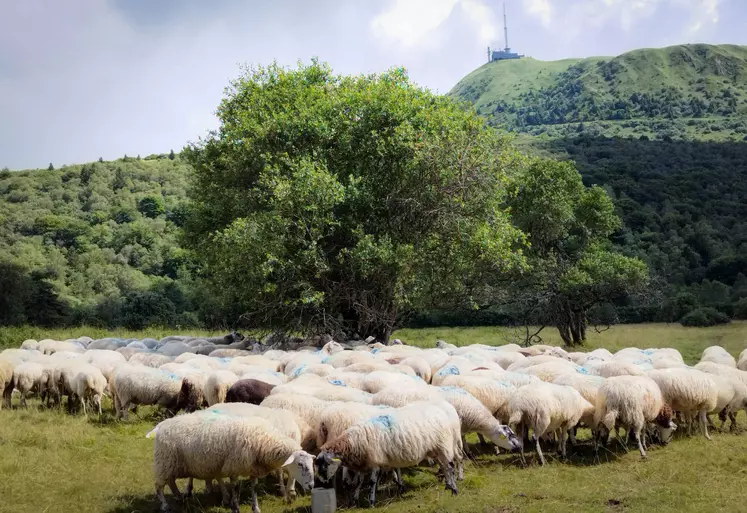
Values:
[(290, 488), (226, 497), (459, 462), (172, 486), (561, 442), (638, 438), (235, 495), (23, 399), (572, 435), (209, 486), (188, 489), (83, 402), (539, 449), (704, 424), (358, 487), (397, 476), (733, 419), (482, 440), (464, 444), (162, 498), (374, 480)]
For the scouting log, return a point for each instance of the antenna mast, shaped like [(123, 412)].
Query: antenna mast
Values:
[(505, 26)]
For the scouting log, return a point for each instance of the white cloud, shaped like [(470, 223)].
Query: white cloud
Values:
[(415, 23), (575, 16), (540, 9)]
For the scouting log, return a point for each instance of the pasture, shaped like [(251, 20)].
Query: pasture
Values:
[(54, 462)]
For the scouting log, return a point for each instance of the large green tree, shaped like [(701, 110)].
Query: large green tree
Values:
[(333, 203)]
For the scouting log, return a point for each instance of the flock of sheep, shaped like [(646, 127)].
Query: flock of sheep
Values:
[(372, 409)]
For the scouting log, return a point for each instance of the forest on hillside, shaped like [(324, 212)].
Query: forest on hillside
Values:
[(684, 208), (100, 243)]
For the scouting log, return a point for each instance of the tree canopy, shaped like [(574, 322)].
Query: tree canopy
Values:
[(341, 203)]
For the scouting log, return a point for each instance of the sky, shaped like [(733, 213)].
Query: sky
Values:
[(83, 79)]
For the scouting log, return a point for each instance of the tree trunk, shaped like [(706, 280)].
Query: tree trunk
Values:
[(572, 327)]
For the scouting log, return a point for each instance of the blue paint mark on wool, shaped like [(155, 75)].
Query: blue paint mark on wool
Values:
[(336, 382), (453, 389), (325, 359), (582, 370), (450, 370), (171, 375), (375, 350), (297, 372), (385, 421)]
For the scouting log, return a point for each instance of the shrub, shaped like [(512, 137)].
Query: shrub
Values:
[(703, 317)]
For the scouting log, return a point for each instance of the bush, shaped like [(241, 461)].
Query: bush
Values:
[(703, 317), (740, 309)]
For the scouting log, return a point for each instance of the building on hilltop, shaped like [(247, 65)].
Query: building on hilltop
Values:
[(506, 53)]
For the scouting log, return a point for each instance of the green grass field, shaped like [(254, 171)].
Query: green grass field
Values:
[(54, 462)]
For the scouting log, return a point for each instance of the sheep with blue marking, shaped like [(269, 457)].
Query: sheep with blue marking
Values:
[(141, 385), (400, 439)]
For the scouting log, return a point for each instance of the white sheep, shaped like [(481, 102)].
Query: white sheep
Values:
[(286, 422), (211, 445), (396, 440), (379, 380), (732, 397), (420, 367), (30, 344), (138, 384), (742, 362), (308, 408), (614, 368), (153, 360), (6, 381), (27, 378), (547, 408), (633, 402), (548, 371), (89, 383), (718, 354), (688, 391), (494, 395), (217, 385)]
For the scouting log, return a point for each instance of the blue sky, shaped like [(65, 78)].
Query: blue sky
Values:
[(83, 79)]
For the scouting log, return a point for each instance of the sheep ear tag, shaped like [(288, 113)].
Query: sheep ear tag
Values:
[(288, 461), (336, 460)]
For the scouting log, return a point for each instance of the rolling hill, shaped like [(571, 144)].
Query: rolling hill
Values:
[(679, 92)]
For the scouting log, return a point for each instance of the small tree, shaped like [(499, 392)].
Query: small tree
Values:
[(172, 156), (572, 268), (51, 167), (151, 206)]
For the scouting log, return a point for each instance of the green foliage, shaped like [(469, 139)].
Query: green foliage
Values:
[(671, 93), (704, 317), (328, 202), (151, 206), (75, 249)]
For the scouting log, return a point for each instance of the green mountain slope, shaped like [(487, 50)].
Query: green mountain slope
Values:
[(96, 243), (679, 92)]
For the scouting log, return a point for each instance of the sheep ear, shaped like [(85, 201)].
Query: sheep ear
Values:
[(288, 461)]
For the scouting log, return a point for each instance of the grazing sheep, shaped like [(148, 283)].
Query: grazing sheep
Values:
[(420, 367), (137, 384), (614, 368), (742, 362), (211, 446), (252, 391), (379, 380), (192, 392), (30, 344), (89, 384), (548, 371), (491, 393), (546, 408), (153, 360), (308, 408), (259, 361), (688, 391), (104, 360), (338, 416), (732, 397), (586, 384), (217, 385), (718, 368), (6, 381), (534, 360), (27, 378), (396, 440), (632, 402), (284, 421), (718, 354)]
